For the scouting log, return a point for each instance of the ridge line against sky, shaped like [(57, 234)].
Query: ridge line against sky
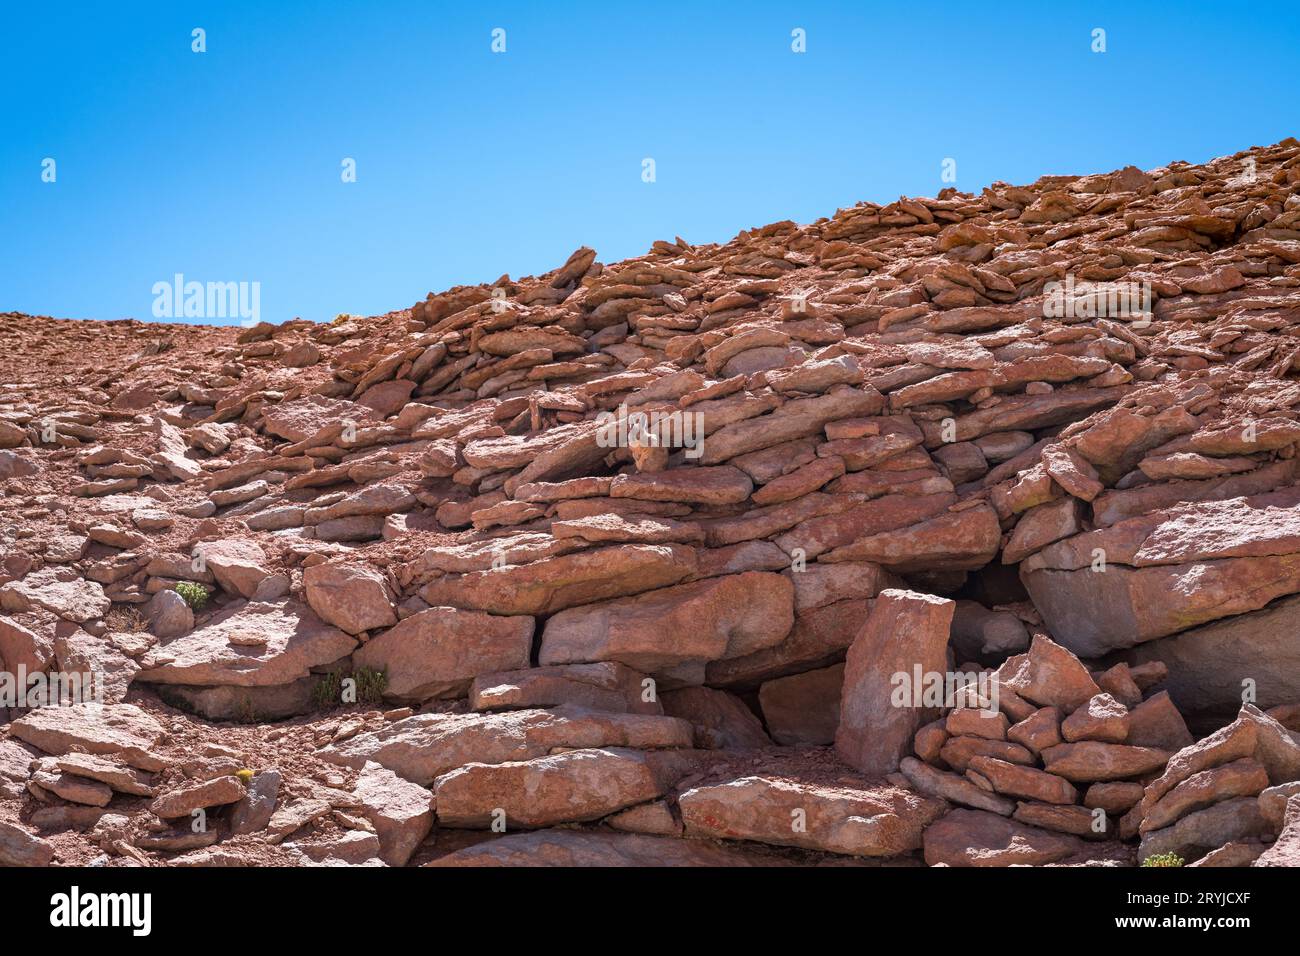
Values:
[(228, 165)]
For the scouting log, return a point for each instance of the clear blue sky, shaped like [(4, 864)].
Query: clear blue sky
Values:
[(225, 165)]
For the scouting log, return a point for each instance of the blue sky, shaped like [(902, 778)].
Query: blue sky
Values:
[(225, 165)]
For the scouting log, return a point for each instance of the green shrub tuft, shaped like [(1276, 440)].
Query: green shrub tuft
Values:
[(195, 595)]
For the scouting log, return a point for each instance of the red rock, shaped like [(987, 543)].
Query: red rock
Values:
[(1101, 718), (676, 631), (1049, 675), (19, 847), (950, 786), (957, 752), (906, 630), (211, 793), (604, 685), (438, 652), (1072, 472), (952, 542), (795, 419), (352, 597), (639, 529), (401, 812), (1238, 739), (654, 818), (818, 638), (1017, 781), (257, 644), (564, 581), (1157, 723), (1285, 851), (314, 419), (718, 485), (239, 565), (1079, 821), (929, 740), (799, 482), (94, 729), (979, 838), (1204, 830), (1040, 526), (1115, 798), (426, 746), (1118, 682), (1221, 557), (1092, 760), (573, 786), (859, 819), (1240, 778), (977, 722), (818, 584), (57, 590), (1038, 731)]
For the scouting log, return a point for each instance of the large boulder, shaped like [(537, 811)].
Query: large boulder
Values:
[(59, 590), (94, 729), (1209, 665), (352, 597), (906, 634), (979, 838), (803, 710), (721, 719), (426, 746), (255, 644), (675, 632), (858, 818), (439, 651), (564, 581), (1168, 571), (1197, 833), (20, 847), (400, 811), (238, 564), (604, 685), (569, 787)]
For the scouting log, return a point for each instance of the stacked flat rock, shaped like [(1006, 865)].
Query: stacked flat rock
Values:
[(1050, 746)]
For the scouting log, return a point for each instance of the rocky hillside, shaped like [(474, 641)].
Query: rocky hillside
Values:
[(958, 531)]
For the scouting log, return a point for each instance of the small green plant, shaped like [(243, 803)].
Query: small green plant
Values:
[(245, 712), (370, 685), (195, 595), (1163, 859), (365, 685), (245, 776), (328, 691)]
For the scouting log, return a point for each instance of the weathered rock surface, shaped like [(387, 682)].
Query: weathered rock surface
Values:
[(859, 820), (436, 653), (778, 486), (256, 644), (907, 632), (426, 746)]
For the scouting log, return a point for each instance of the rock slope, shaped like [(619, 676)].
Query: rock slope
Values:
[(639, 563)]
